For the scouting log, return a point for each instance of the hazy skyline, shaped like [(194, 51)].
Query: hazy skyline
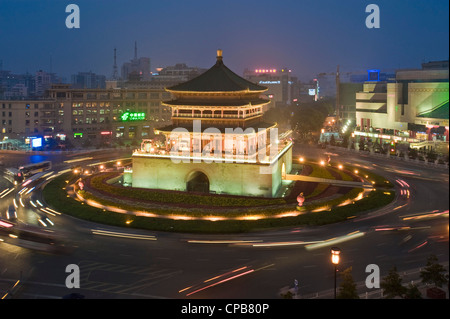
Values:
[(308, 37)]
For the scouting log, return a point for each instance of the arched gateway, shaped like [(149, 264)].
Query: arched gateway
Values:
[(197, 182)]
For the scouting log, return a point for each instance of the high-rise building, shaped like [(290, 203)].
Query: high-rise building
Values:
[(43, 81), (16, 86), (162, 78), (88, 80), (279, 82), (137, 68)]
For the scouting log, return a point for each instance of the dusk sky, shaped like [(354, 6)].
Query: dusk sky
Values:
[(307, 36)]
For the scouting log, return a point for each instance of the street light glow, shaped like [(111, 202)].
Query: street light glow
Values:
[(335, 255)]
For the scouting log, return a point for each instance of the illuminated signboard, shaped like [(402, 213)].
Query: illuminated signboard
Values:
[(77, 134), (36, 142), (312, 92), (266, 71), (269, 82), (373, 75), (132, 116)]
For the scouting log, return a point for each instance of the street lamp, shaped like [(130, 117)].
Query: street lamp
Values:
[(335, 252)]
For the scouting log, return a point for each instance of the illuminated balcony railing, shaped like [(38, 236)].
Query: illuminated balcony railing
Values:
[(267, 155), (215, 116)]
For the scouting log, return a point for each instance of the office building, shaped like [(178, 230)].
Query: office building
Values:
[(411, 109)]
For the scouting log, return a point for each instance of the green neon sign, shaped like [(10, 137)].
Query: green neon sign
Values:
[(132, 116), (77, 134)]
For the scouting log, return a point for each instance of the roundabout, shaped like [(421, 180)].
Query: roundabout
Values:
[(101, 197), (172, 258)]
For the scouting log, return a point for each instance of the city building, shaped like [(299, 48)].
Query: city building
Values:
[(43, 81), (91, 110), (22, 118), (88, 80), (137, 68), (327, 82), (110, 113), (97, 115), (307, 91), (217, 142), (164, 77), (347, 101), (411, 109), (279, 82), (16, 86)]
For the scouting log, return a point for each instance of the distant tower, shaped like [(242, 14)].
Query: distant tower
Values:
[(135, 50), (338, 97), (115, 73)]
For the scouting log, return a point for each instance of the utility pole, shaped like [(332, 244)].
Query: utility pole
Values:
[(338, 98), (115, 75)]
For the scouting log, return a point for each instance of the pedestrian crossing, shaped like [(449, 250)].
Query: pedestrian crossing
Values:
[(121, 279)]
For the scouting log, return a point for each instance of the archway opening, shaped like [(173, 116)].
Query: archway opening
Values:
[(197, 182)]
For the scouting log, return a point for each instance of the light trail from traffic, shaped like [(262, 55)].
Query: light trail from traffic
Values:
[(122, 235)]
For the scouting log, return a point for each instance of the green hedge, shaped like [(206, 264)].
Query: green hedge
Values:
[(97, 183)]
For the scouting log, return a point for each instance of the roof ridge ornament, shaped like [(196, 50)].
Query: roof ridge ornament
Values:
[(219, 56)]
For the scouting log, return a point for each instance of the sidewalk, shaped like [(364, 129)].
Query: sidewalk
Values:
[(406, 159), (410, 276), (327, 181)]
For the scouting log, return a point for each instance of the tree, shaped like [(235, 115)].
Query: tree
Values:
[(309, 117), (413, 153), (347, 288), (431, 156), (332, 140), (412, 292), (392, 285), (434, 273), (345, 141), (352, 146), (361, 144)]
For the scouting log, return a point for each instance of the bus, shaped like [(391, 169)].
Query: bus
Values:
[(14, 175), (31, 169)]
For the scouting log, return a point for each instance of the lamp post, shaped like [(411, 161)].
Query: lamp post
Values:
[(335, 252)]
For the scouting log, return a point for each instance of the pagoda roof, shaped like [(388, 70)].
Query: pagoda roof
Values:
[(254, 102), (219, 78)]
